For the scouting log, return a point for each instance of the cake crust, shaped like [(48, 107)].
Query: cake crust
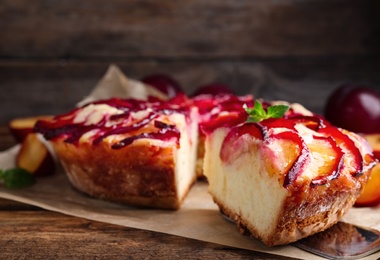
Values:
[(139, 174)]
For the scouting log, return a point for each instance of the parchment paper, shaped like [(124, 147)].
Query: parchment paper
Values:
[(198, 218)]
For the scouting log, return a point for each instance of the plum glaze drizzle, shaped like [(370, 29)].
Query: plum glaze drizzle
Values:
[(224, 110), (65, 127)]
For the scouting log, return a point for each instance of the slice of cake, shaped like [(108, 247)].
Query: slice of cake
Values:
[(140, 153), (284, 179)]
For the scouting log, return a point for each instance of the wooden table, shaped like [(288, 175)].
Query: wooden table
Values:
[(31, 232), (52, 53)]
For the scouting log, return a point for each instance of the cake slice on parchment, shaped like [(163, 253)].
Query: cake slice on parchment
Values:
[(280, 179), (140, 153), (286, 178)]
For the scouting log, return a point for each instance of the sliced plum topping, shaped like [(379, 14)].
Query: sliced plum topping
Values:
[(125, 129), (234, 142), (165, 132), (278, 123), (312, 122), (72, 132), (110, 123), (222, 120), (352, 152), (299, 163), (333, 160), (223, 110)]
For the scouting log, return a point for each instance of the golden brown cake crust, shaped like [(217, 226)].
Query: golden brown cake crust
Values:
[(139, 174), (302, 214)]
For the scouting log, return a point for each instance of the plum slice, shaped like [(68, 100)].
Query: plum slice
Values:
[(34, 157), (333, 157), (352, 152), (21, 127), (220, 111), (222, 120), (370, 196), (303, 154), (234, 141)]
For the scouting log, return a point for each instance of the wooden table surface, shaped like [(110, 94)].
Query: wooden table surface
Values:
[(29, 232)]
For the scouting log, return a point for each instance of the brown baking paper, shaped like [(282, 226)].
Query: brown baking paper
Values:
[(198, 218)]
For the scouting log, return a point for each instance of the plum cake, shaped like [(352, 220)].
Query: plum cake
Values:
[(282, 179), (140, 153)]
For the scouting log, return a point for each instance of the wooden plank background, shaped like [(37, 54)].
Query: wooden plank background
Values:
[(53, 52)]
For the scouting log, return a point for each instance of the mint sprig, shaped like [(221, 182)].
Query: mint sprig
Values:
[(258, 113), (16, 178)]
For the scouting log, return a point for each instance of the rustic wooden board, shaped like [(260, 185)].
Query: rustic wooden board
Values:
[(188, 29), (6, 139), (52, 52), (31, 233)]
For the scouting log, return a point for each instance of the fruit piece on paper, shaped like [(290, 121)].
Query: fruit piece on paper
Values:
[(370, 196), (34, 157), (21, 127)]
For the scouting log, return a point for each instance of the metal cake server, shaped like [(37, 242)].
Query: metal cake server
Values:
[(342, 241)]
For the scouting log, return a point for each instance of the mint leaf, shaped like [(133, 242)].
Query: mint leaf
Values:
[(258, 113), (16, 178), (277, 111)]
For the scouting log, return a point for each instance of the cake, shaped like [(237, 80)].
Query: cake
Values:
[(283, 179), (280, 179), (136, 152)]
